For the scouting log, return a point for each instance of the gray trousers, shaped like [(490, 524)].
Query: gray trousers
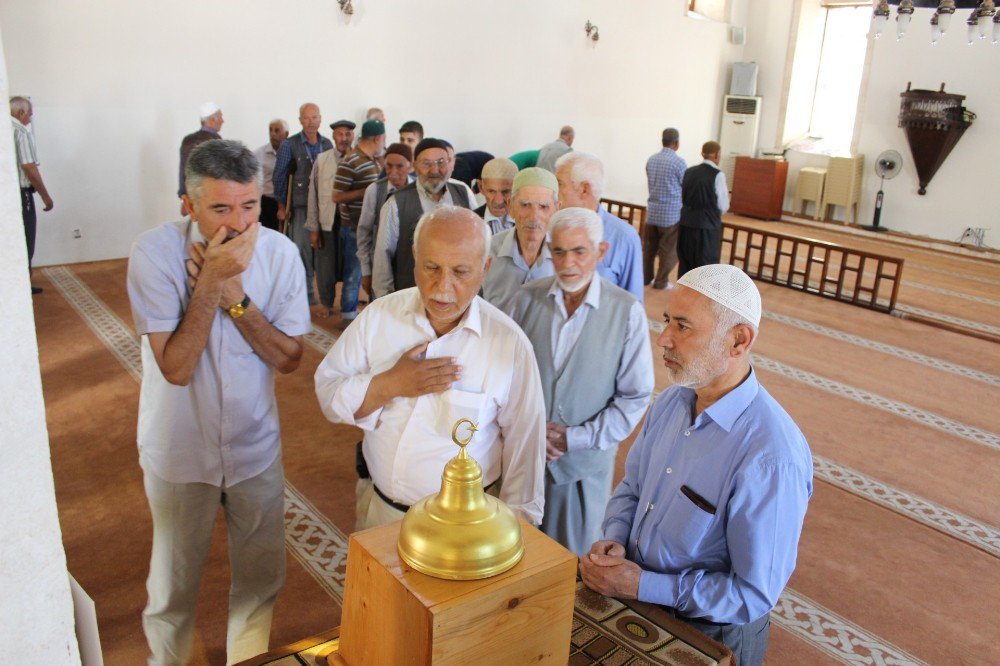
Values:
[(747, 641), (300, 236), (183, 518), (574, 511)]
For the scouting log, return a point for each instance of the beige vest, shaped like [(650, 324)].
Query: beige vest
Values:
[(320, 211)]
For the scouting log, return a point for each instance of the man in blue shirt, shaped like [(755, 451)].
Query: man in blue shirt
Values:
[(581, 185), (664, 175), (707, 520)]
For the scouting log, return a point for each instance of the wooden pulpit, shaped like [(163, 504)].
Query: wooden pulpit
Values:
[(396, 615)]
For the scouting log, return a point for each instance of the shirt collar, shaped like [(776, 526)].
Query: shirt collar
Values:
[(472, 319), (729, 408), (593, 297), (18, 123), (194, 232), (509, 247), (711, 164), (206, 128)]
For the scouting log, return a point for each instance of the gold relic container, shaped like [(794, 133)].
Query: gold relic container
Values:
[(461, 533)]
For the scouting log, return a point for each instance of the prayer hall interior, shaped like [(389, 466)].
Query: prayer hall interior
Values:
[(900, 554)]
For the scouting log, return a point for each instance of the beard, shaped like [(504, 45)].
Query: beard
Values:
[(702, 367), (573, 286), (431, 187)]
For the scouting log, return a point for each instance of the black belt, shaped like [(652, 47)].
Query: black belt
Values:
[(693, 620), (402, 507)]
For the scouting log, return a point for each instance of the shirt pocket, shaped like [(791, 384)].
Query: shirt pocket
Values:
[(455, 404), (684, 527)]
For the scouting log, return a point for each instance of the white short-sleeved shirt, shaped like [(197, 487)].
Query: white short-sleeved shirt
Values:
[(24, 148), (222, 428)]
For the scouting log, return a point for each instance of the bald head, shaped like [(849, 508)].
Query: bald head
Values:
[(567, 134), (450, 251), (310, 118)]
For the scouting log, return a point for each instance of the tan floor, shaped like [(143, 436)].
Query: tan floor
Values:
[(921, 428)]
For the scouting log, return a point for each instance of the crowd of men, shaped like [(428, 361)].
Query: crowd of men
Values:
[(524, 314)]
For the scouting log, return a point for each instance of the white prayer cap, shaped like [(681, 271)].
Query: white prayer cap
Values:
[(207, 109), (727, 286)]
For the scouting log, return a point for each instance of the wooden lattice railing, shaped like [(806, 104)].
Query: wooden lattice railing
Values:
[(825, 269)]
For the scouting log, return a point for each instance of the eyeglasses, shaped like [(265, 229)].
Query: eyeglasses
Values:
[(441, 163)]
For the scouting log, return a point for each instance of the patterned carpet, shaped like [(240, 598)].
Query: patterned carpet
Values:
[(901, 551)]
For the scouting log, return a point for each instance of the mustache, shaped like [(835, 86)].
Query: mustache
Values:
[(443, 298)]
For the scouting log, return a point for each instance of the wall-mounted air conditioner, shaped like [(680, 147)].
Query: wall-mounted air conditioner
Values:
[(738, 135)]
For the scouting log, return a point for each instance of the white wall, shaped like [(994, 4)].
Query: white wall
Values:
[(36, 611), (116, 85), (961, 194)]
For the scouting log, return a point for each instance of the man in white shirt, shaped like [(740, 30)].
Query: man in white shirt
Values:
[(392, 263), (277, 132), (220, 304), (495, 185), (450, 355)]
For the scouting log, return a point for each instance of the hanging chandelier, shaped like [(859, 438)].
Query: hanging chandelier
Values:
[(983, 13)]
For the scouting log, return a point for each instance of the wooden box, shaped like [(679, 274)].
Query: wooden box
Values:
[(759, 187), (396, 615)]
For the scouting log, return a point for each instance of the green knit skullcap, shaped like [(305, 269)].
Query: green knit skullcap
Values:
[(536, 176)]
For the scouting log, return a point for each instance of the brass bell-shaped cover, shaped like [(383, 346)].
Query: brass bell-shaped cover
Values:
[(461, 533)]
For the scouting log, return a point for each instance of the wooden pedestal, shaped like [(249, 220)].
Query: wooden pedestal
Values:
[(759, 188), (395, 615)]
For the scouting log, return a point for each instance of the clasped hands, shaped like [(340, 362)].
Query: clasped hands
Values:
[(606, 570), (222, 262)]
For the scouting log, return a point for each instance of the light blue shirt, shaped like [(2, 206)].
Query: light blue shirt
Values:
[(222, 428), (745, 456), (509, 272), (622, 264)]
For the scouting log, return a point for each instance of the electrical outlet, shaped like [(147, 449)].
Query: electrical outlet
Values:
[(77, 233)]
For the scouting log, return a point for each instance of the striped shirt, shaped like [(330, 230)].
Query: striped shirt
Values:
[(356, 171), (665, 173), (24, 147)]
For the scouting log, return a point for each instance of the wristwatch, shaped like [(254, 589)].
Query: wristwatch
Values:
[(238, 310)]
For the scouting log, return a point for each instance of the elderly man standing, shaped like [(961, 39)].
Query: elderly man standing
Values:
[(296, 157), (392, 266), (550, 152), (355, 173), (450, 355), (398, 162), (211, 122), (495, 184), (664, 175), (581, 184), (28, 175), (592, 347), (220, 305), (322, 216), (267, 154), (520, 254), (705, 197), (707, 520)]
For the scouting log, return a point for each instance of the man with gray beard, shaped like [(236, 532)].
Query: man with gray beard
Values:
[(594, 359), (392, 264)]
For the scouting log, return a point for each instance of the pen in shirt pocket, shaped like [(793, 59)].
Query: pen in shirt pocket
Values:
[(698, 500)]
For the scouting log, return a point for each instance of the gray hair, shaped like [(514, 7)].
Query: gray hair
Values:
[(584, 168), (578, 218), (281, 122), (567, 132), (670, 137), (222, 159), (450, 211), (19, 104), (726, 320)]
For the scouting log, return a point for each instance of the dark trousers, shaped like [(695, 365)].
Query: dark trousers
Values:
[(326, 268), (698, 247), (659, 242), (269, 212), (29, 215), (747, 641)]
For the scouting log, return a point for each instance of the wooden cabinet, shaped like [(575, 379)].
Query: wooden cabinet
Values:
[(759, 188)]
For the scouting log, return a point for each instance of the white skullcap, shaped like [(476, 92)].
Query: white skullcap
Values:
[(728, 286), (207, 109)]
